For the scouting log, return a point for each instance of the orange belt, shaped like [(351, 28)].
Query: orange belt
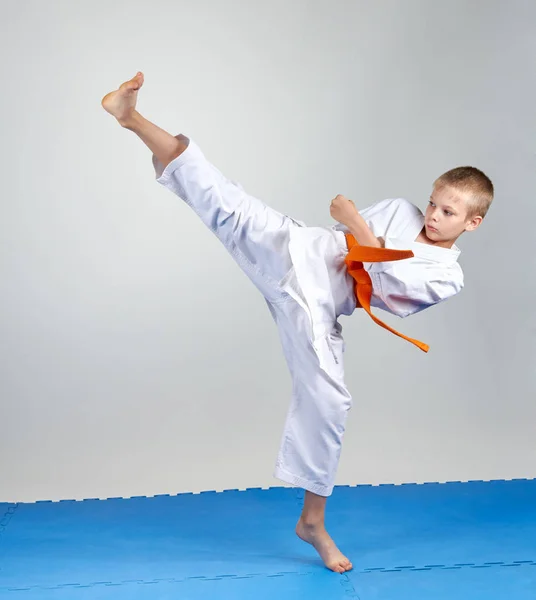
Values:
[(355, 258)]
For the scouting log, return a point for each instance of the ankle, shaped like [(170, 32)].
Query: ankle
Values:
[(129, 122), (312, 521)]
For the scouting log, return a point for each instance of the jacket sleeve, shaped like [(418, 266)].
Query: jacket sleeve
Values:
[(377, 216), (406, 289)]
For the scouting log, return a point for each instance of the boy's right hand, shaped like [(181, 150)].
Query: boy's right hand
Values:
[(343, 210)]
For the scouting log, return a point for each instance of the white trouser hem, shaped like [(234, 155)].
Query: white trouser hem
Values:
[(315, 488), (192, 152)]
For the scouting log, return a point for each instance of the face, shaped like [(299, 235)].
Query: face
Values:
[(446, 217)]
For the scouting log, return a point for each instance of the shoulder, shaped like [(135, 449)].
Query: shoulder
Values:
[(405, 206), (390, 207), (393, 217)]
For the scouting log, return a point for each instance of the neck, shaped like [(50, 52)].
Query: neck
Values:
[(442, 244)]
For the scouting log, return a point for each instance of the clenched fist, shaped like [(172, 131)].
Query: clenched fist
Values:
[(343, 210)]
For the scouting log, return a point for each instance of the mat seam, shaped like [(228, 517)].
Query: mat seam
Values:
[(345, 581), (359, 485)]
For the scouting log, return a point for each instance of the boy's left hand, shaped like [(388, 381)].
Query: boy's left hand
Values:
[(343, 210)]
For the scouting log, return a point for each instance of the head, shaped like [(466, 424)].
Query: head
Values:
[(459, 202)]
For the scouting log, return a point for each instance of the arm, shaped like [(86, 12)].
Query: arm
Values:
[(344, 211), (362, 232), (408, 287)]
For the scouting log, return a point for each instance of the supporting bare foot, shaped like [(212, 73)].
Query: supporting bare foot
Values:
[(317, 536), (122, 102)]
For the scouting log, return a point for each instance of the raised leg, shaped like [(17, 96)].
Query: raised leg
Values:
[(121, 103), (256, 235)]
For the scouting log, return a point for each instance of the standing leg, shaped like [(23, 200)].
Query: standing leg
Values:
[(311, 529), (314, 428)]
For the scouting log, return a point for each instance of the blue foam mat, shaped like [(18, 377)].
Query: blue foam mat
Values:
[(465, 540)]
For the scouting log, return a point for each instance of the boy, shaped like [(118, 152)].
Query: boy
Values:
[(309, 276)]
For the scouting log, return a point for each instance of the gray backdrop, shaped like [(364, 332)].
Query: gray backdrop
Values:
[(136, 358)]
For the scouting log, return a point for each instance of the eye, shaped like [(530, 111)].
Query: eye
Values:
[(431, 203), (448, 213)]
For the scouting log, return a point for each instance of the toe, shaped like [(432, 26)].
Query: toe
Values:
[(336, 567), (346, 564)]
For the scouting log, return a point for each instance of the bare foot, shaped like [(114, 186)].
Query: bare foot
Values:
[(317, 536), (122, 103)]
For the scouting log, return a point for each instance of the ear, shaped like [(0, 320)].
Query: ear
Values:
[(473, 223)]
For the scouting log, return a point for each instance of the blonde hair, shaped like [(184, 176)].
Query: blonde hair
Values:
[(472, 182)]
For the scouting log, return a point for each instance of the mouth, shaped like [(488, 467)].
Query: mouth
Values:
[(432, 229)]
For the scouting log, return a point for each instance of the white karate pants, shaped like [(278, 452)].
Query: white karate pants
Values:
[(258, 239)]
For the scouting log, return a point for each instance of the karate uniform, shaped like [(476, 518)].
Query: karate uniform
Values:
[(302, 274)]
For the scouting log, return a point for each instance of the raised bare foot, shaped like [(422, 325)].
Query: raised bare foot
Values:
[(122, 102), (317, 536)]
